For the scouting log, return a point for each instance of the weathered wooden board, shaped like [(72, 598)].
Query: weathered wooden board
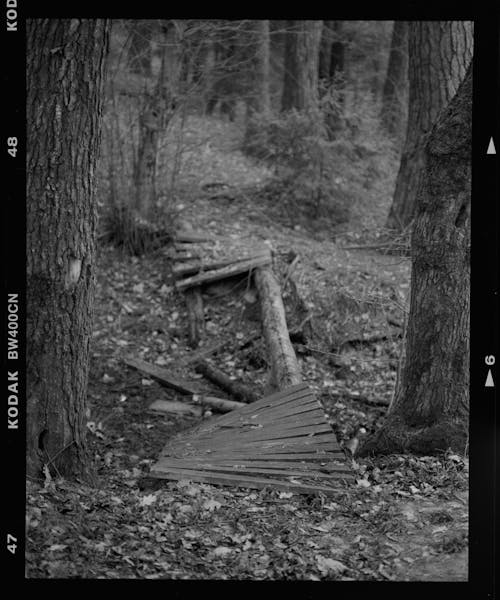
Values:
[(162, 376), (236, 268), (282, 441), (171, 407), (204, 264)]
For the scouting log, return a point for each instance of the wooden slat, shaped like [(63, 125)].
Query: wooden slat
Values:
[(266, 413), (309, 457), (317, 440), (161, 375), (276, 467), (300, 465), (173, 467), (232, 269), (254, 436), (283, 456), (295, 443), (234, 429), (249, 482), (311, 418), (276, 429), (202, 265)]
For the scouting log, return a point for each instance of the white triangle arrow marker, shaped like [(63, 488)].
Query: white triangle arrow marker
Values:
[(489, 380), (491, 147)]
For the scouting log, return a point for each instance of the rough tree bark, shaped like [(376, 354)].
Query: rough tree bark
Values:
[(430, 411), (395, 92), (439, 53), (65, 65), (300, 85)]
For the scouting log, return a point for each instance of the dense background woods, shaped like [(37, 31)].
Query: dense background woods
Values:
[(344, 146)]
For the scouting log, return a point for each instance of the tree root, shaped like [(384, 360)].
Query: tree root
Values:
[(394, 437)]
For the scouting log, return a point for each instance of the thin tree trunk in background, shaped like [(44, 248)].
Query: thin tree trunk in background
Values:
[(325, 51), (395, 93), (439, 54), (154, 118), (145, 166), (300, 86), (330, 71), (140, 48), (430, 411), (258, 98), (262, 67), (65, 65)]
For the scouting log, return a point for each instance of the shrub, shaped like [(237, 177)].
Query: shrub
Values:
[(295, 145)]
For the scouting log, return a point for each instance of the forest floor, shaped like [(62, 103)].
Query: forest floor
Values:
[(404, 519)]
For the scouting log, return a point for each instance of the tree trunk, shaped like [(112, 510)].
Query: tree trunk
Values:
[(439, 53), (330, 71), (145, 165), (262, 98), (300, 86), (258, 99), (395, 93), (155, 116), (65, 72), (430, 411), (140, 48)]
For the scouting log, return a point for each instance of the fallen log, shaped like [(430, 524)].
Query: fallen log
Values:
[(196, 316), (217, 404), (236, 389), (162, 376), (285, 369)]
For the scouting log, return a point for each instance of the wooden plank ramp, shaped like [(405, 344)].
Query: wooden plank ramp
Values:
[(282, 441)]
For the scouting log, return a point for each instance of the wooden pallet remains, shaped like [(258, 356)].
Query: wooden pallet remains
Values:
[(208, 273), (282, 441)]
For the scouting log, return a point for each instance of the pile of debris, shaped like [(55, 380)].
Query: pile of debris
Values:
[(298, 428)]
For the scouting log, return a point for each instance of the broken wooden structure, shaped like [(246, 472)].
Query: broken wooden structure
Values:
[(200, 261), (282, 441)]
